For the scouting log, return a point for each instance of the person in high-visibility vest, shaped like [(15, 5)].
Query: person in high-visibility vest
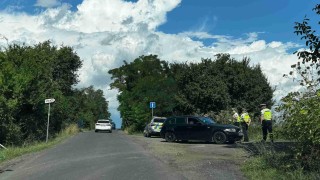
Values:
[(266, 122), (236, 117), (245, 121)]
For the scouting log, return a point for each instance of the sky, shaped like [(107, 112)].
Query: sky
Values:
[(106, 32)]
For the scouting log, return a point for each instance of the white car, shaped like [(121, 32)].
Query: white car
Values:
[(103, 125)]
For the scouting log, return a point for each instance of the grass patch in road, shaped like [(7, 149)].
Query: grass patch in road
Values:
[(12, 152)]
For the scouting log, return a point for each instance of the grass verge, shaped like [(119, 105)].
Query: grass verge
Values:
[(12, 152), (273, 163)]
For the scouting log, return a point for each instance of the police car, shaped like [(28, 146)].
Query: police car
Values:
[(154, 127)]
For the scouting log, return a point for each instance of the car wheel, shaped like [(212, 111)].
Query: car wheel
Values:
[(110, 131), (219, 137), (95, 130), (170, 137), (148, 134)]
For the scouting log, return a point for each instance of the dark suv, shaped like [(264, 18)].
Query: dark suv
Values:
[(199, 128)]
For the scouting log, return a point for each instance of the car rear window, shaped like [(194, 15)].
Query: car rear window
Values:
[(158, 120), (103, 121)]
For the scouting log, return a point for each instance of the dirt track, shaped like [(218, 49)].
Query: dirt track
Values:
[(197, 160)]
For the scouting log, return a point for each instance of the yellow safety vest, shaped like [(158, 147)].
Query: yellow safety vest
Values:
[(267, 115), (246, 118)]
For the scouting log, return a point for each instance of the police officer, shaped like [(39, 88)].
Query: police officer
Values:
[(245, 122), (266, 122), (236, 117)]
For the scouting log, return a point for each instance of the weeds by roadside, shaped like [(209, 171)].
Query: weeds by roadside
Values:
[(275, 161), (12, 152)]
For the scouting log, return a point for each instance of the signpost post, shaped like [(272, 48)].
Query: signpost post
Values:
[(152, 106), (48, 101)]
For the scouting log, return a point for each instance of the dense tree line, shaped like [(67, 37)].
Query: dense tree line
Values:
[(31, 74), (210, 86)]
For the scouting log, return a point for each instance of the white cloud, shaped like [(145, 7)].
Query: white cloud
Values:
[(104, 33), (47, 3)]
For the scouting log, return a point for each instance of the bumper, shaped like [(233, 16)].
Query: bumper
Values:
[(234, 136), (103, 128)]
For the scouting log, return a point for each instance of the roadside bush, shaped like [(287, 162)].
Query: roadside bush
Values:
[(302, 124)]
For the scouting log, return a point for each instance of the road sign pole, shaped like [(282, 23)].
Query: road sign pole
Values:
[(48, 123), (151, 112)]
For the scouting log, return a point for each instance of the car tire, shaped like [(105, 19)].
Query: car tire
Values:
[(95, 130), (110, 131), (170, 137), (148, 134), (144, 134), (219, 137)]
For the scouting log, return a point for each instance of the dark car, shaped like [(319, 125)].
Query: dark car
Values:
[(113, 125), (199, 128)]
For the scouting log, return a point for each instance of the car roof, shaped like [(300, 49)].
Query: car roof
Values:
[(194, 116), (157, 117)]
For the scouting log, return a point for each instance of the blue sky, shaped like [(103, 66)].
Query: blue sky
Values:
[(106, 32), (274, 19)]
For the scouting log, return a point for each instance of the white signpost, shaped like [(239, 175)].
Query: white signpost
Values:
[(48, 101)]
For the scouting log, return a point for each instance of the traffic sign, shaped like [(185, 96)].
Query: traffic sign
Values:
[(49, 101), (152, 105)]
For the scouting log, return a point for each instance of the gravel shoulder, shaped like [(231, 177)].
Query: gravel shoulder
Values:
[(197, 160)]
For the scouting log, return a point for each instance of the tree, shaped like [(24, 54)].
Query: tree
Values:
[(301, 109), (31, 74), (215, 85), (144, 80), (209, 86)]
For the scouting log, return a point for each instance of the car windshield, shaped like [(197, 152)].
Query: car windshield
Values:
[(207, 120), (103, 121), (158, 120)]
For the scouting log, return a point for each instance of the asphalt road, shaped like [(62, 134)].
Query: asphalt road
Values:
[(91, 156)]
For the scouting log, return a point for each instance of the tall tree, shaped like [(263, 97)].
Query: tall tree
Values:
[(145, 79), (31, 74), (215, 85)]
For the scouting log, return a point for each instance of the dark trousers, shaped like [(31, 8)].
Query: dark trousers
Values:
[(236, 124), (267, 128), (244, 127)]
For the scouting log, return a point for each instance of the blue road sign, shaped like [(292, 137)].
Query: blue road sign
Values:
[(152, 105)]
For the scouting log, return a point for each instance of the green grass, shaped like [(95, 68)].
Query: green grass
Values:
[(257, 168), (255, 133), (13, 152)]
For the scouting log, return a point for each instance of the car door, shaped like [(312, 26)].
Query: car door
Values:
[(180, 128), (196, 129)]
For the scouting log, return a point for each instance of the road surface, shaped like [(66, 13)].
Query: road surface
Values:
[(91, 155)]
